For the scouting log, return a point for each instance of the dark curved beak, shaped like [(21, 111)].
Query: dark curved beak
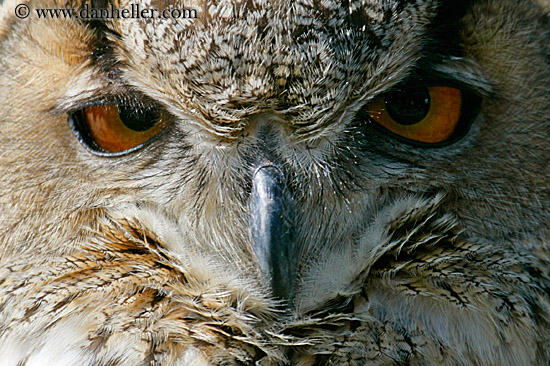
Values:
[(270, 222)]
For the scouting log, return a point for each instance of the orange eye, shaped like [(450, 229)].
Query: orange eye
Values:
[(117, 128), (430, 115)]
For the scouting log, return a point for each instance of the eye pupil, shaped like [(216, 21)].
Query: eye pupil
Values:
[(138, 119), (408, 107)]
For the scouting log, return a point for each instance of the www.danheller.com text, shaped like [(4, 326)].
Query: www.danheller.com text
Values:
[(133, 11)]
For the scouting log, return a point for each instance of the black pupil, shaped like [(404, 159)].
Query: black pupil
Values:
[(408, 107), (138, 118)]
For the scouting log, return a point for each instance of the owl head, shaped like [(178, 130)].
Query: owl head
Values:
[(285, 150)]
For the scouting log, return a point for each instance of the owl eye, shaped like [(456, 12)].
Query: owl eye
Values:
[(429, 115), (117, 128)]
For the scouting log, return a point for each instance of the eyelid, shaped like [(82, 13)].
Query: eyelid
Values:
[(457, 72), (129, 99), (462, 73), (91, 89)]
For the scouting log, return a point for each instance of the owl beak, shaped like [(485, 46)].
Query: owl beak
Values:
[(270, 227)]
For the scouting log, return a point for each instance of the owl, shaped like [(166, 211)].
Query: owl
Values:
[(300, 183)]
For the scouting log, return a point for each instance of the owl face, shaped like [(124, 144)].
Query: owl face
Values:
[(322, 92), (277, 141)]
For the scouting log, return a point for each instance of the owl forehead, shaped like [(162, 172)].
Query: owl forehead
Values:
[(303, 58)]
